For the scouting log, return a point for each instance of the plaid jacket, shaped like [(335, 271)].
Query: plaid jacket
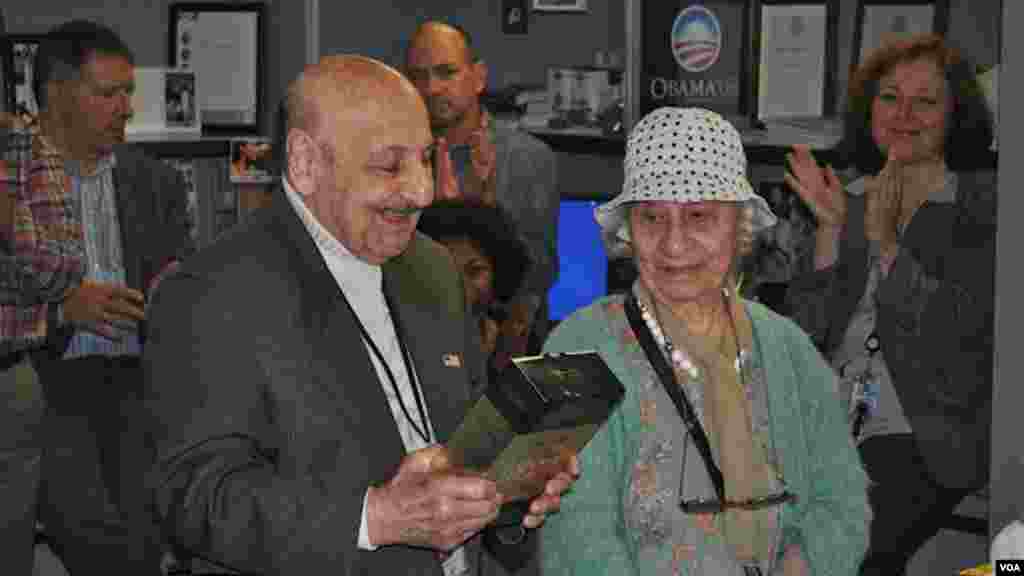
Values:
[(42, 254)]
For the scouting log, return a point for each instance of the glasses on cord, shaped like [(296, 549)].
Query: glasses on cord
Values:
[(721, 503), (718, 505)]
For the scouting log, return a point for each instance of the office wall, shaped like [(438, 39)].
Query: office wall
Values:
[(142, 24), (974, 28), (380, 29)]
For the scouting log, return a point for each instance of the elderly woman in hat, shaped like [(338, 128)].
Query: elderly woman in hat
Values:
[(728, 454)]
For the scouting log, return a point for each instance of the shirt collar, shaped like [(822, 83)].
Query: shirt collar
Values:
[(105, 163), (332, 250)]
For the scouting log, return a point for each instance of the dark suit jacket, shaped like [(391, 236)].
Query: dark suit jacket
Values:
[(935, 321), (151, 208), (271, 420)]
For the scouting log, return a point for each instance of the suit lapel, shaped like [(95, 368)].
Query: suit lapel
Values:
[(125, 178), (417, 314), (340, 364)]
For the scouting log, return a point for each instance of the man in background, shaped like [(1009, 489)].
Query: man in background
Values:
[(95, 226), (490, 161)]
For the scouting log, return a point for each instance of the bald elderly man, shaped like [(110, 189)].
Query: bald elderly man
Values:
[(303, 370)]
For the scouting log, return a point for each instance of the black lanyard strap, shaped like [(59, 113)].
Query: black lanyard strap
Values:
[(668, 379), (424, 432)]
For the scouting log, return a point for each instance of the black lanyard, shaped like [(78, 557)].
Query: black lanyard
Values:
[(424, 432), (668, 379)]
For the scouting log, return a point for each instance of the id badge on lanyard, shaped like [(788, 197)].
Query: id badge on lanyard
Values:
[(864, 395)]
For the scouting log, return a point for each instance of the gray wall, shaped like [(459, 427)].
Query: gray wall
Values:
[(1007, 494), (142, 24)]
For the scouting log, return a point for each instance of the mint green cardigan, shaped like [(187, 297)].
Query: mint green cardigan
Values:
[(829, 520)]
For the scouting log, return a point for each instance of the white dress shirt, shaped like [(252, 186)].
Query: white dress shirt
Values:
[(361, 284)]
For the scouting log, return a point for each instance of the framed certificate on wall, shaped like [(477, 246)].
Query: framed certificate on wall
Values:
[(222, 43), (881, 21), (796, 54)]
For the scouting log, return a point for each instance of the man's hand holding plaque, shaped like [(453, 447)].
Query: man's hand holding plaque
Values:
[(525, 431)]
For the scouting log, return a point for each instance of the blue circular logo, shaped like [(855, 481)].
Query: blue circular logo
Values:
[(696, 38)]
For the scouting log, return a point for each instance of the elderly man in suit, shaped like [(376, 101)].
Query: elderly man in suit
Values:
[(303, 369)]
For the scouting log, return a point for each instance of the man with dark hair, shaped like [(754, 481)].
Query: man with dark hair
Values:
[(95, 227), (488, 160), (490, 255)]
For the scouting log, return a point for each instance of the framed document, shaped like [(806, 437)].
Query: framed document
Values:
[(223, 44), (19, 53), (880, 21), (559, 5), (794, 76)]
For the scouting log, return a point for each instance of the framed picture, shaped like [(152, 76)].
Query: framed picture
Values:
[(251, 160), (180, 98), (881, 21), (559, 5), (691, 53), (19, 53), (794, 43), (222, 43)]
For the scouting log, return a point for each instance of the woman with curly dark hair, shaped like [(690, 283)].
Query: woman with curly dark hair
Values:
[(493, 259), (900, 293)]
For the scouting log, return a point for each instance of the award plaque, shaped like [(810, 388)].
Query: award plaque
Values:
[(534, 416)]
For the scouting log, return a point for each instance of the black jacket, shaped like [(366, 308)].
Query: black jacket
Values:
[(935, 321)]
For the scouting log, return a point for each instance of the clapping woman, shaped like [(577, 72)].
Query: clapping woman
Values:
[(900, 297)]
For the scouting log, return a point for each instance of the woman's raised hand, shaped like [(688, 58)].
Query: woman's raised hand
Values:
[(818, 187)]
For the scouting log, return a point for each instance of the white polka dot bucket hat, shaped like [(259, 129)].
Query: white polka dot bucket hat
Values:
[(683, 155)]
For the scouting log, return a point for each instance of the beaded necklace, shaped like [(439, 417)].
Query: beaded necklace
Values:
[(678, 356)]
